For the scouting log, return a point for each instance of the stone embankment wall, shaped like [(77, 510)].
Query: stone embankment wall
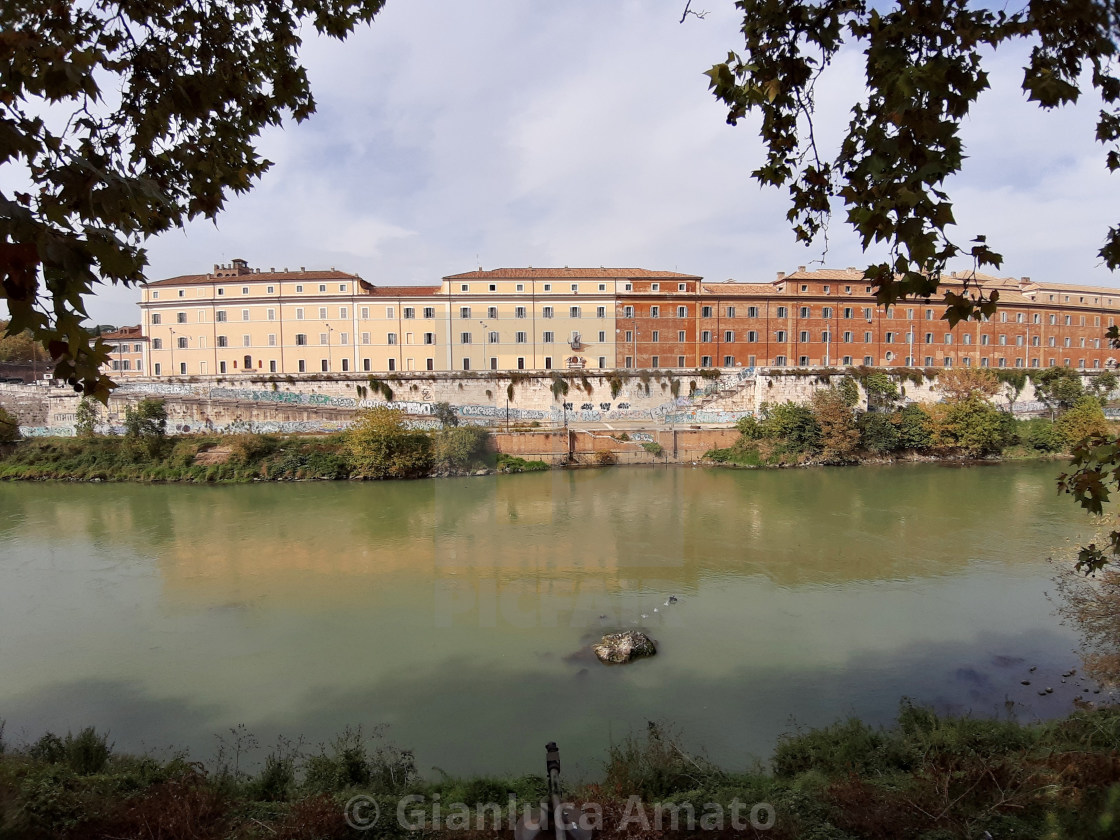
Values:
[(562, 446), (577, 400)]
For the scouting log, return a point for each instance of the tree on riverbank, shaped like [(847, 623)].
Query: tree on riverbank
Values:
[(380, 445)]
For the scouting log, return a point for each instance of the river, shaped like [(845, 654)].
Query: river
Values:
[(458, 612)]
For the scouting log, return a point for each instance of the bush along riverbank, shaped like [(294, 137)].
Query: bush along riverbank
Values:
[(379, 445), (926, 778), (835, 429)]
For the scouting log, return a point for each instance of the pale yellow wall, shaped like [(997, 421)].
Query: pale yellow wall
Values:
[(352, 329)]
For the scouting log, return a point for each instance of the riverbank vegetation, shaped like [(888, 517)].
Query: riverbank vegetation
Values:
[(379, 445), (835, 427), (928, 777)]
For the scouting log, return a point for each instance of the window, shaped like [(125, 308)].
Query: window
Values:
[(183, 368), (948, 338), (365, 338), (929, 338), (655, 287), (409, 312), (574, 311), (272, 339), (271, 290), (548, 287), (493, 338), (752, 336), (301, 339), (299, 314), (156, 318), (322, 287), (655, 361), (731, 312), (803, 337), (781, 312), (847, 312), (804, 312), (889, 338), (847, 338), (681, 335), (656, 336), (221, 367), (629, 335), (546, 312), (967, 338), (182, 293), (827, 290), (867, 313), (223, 341), (221, 292), (752, 311), (984, 362), (430, 338), (520, 338), (521, 363), (324, 338), (547, 337), (826, 312), (655, 312), (803, 361), (391, 338), (491, 312), (779, 361), (155, 295), (1068, 321), (602, 336), (705, 361), (157, 343), (429, 312), (390, 312), (706, 335), (519, 312), (628, 312), (728, 336), (706, 312), (867, 338), (729, 361), (780, 335), (180, 317), (600, 312), (271, 314), (244, 314), (322, 312), (342, 312), (302, 366), (520, 288), (680, 361), (575, 287), (464, 312), (325, 366), (220, 316), (682, 311), (826, 336), (344, 338), (465, 338), (602, 288)]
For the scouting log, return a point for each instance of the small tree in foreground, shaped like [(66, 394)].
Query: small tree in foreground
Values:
[(145, 427)]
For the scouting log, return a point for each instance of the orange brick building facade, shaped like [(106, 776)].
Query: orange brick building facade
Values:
[(830, 317)]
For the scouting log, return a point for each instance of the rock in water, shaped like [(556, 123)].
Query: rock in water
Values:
[(617, 648)]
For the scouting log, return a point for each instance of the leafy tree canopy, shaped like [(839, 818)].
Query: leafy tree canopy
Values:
[(127, 119), (924, 70)]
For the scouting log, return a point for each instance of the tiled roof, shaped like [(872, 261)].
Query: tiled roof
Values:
[(253, 277), (403, 291), (131, 333), (739, 289), (570, 273)]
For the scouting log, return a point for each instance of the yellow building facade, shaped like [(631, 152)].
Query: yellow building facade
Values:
[(237, 320)]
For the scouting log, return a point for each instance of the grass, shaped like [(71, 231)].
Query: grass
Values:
[(928, 777), (513, 464)]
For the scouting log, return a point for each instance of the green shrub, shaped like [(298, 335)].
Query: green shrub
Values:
[(915, 427), (653, 447), (1041, 435), (513, 464), (877, 433), (9, 426), (461, 448), (87, 752), (249, 448), (379, 445)]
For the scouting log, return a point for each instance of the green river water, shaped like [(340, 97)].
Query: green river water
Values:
[(458, 612)]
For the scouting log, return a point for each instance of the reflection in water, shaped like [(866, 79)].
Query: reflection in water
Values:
[(459, 611)]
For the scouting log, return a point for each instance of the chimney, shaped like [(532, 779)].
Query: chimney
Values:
[(800, 268), (303, 268), (1026, 279), (781, 275), (216, 268), (272, 269)]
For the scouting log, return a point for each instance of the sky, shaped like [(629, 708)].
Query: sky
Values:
[(501, 133)]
